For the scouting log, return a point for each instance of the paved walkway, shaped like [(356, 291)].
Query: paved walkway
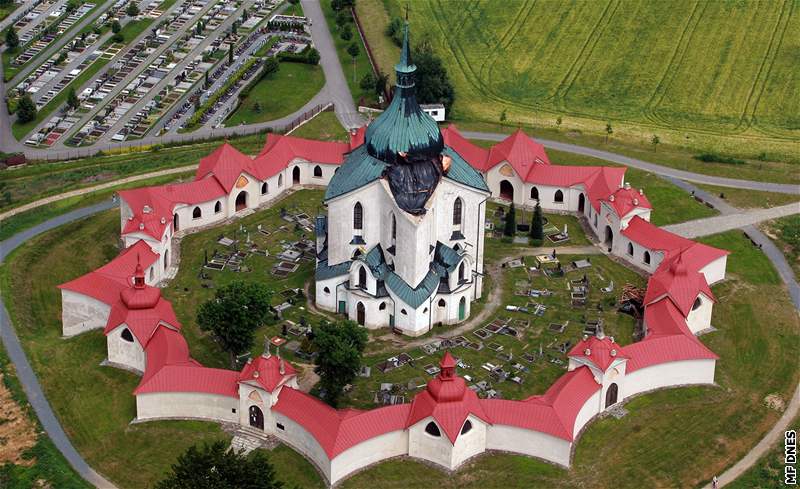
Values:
[(25, 372), (726, 222)]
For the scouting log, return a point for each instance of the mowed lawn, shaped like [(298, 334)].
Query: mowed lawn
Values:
[(279, 94), (698, 73), (653, 446)]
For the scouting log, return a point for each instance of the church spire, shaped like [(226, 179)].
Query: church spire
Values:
[(405, 68)]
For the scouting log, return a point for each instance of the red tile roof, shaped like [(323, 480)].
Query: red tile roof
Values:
[(336, 431), (266, 371), (600, 351), (224, 164), (106, 283), (625, 200), (695, 255), (191, 378), (663, 349), (676, 281)]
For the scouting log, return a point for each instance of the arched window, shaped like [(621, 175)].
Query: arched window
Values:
[(126, 335), (362, 277), (218, 207), (326, 290), (394, 228), (432, 429), (403, 312), (152, 273), (697, 303), (559, 196), (595, 220), (197, 213), (442, 303), (461, 273), (646, 257), (630, 249), (534, 193), (358, 216), (264, 188), (457, 211), (356, 253), (318, 171), (467, 426), (280, 180), (382, 307)]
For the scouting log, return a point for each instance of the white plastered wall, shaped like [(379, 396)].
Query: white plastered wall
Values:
[(669, 374), (190, 405), (122, 352), (374, 450), (528, 442), (81, 313)]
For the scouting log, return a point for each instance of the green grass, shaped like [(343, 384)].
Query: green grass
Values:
[(749, 199), (48, 465), (768, 472), (352, 74), (786, 234), (323, 127), (296, 9), (682, 71), (279, 94)]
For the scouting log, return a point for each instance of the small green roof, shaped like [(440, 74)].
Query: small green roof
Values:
[(463, 172), (325, 271)]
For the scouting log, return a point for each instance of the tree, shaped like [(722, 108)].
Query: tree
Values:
[(26, 109), (655, 140), (72, 5), (558, 122), (609, 131), (367, 83), (433, 84), (503, 116), (230, 53), (380, 84), (6, 3), (313, 56), (234, 314), (346, 33), (72, 99), (12, 39), (353, 50), (133, 9), (116, 26), (213, 466), (511, 222), (343, 18), (537, 223), (394, 31), (339, 347), (294, 2)]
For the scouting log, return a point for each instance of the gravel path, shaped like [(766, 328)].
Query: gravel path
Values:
[(726, 222)]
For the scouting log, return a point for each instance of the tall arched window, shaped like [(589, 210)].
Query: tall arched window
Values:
[(197, 213), (457, 211), (318, 171), (646, 258), (264, 188), (697, 303), (394, 228), (534, 193), (362, 278), (280, 180), (559, 196), (358, 216), (630, 249), (218, 207), (461, 272)]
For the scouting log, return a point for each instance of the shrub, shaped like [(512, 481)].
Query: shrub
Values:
[(710, 157)]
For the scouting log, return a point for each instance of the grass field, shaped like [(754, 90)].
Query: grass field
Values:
[(704, 74), (279, 94), (786, 234), (747, 199), (768, 473), (323, 127), (757, 341)]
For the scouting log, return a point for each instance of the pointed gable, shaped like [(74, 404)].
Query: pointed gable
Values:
[(522, 152)]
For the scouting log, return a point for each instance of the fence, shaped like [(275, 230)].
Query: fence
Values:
[(171, 140)]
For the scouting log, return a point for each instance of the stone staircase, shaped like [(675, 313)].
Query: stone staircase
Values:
[(246, 439)]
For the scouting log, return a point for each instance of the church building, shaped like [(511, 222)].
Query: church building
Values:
[(402, 242)]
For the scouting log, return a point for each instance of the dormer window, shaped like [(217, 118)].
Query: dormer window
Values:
[(126, 335), (433, 430)]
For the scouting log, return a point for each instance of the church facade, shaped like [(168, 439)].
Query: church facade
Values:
[(402, 242)]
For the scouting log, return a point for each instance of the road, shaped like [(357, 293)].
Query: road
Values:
[(728, 221)]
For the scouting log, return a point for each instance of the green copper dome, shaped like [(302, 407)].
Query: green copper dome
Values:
[(403, 126)]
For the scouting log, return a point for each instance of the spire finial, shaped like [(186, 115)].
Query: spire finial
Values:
[(138, 273)]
